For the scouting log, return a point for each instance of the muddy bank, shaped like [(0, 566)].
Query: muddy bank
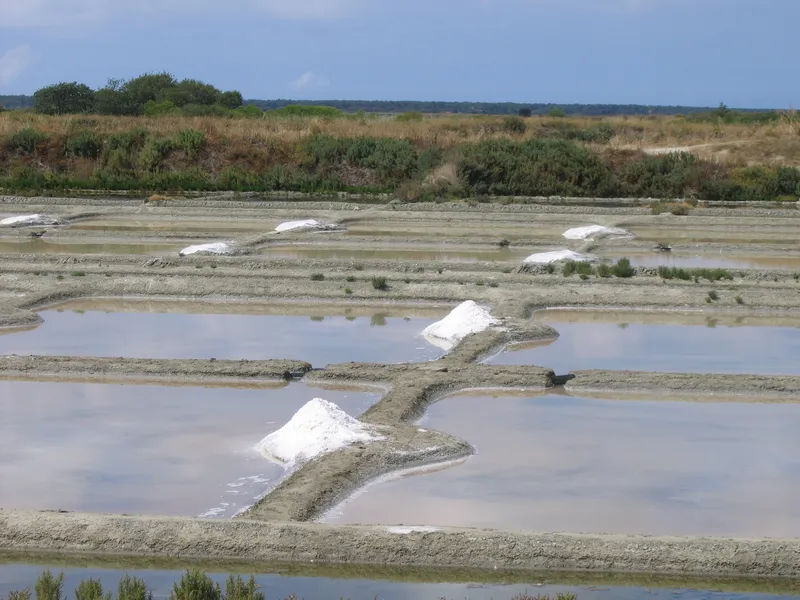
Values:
[(126, 369), (481, 549), (704, 386)]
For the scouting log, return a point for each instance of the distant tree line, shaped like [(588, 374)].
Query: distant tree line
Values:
[(160, 93), (148, 94)]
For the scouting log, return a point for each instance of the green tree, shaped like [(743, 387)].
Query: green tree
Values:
[(557, 112), (198, 92), (64, 99), (150, 86), (525, 112), (232, 99)]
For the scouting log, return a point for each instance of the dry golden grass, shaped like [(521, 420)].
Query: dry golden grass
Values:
[(770, 143)]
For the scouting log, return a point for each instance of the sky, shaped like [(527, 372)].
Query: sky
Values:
[(690, 52)]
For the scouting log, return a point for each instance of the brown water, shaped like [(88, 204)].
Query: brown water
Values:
[(43, 246), (718, 260), (144, 449), (316, 334), (443, 254), (561, 463), (694, 343)]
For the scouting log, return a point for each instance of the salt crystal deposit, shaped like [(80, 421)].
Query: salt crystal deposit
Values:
[(305, 225), (22, 220), (582, 233), (317, 428), (545, 258), (213, 248), (465, 319), (416, 529)]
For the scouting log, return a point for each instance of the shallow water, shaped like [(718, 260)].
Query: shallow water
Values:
[(316, 334), (426, 586), (662, 342), (41, 246), (145, 449), (388, 253), (562, 463), (178, 225), (722, 261)]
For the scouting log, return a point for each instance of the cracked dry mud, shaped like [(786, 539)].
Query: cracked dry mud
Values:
[(279, 527)]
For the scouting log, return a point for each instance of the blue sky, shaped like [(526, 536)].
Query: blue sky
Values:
[(691, 52)]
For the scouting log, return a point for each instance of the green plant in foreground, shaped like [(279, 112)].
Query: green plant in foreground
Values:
[(550, 268), (572, 267), (348, 291), (78, 273), (237, 589), (20, 594), (133, 588), (26, 140), (604, 271), (713, 295), (380, 283), (739, 300), (623, 268), (91, 589), (48, 587), (317, 277), (358, 267), (493, 284), (195, 585), (350, 279)]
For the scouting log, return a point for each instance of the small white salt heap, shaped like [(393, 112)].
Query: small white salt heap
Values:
[(213, 248), (582, 233), (305, 225), (546, 258), (463, 320), (22, 220), (317, 428)]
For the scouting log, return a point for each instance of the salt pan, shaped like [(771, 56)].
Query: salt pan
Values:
[(317, 428), (545, 258), (213, 248), (28, 220), (582, 233), (465, 319)]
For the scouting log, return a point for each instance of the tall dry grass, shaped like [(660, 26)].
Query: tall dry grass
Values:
[(765, 143)]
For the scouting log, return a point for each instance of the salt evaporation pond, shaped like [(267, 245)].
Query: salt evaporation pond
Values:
[(685, 260), (561, 463), (664, 342), (318, 334), (42, 246), (145, 449), (327, 582), (397, 253)]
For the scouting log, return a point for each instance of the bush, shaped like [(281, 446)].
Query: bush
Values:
[(623, 268), (195, 585), (26, 140), (237, 589), (379, 283), (317, 277), (713, 295), (190, 141), (84, 144), (64, 99), (571, 267), (604, 271), (20, 594), (91, 589), (133, 588), (409, 117), (49, 587), (348, 291), (514, 125), (153, 153), (301, 110)]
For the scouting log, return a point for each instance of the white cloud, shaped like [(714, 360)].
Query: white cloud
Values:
[(14, 62), (309, 81)]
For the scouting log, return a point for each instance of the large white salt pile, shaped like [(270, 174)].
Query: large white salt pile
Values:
[(317, 428), (463, 320), (22, 220), (213, 248), (545, 258), (582, 233), (305, 225)]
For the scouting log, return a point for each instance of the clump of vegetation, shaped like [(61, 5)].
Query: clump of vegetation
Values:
[(195, 585), (739, 300), (572, 267), (49, 587), (84, 144), (26, 140), (603, 270), (550, 268), (91, 589), (623, 268), (78, 273), (713, 296), (237, 589), (380, 283), (348, 291), (190, 141), (350, 279), (358, 267), (493, 284), (317, 277), (694, 274), (676, 208)]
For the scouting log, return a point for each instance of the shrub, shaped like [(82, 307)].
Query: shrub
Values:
[(348, 291), (128, 141), (380, 283), (623, 268), (237, 589), (156, 109), (409, 117), (514, 125), (84, 144), (300, 110), (190, 141), (153, 153), (91, 589), (604, 271), (571, 267), (26, 140), (739, 300), (20, 594), (49, 587), (78, 273), (195, 585), (713, 295), (674, 273), (63, 99), (317, 277), (358, 267), (350, 279), (550, 268)]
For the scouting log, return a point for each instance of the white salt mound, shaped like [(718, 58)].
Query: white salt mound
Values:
[(213, 248), (582, 233), (463, 320), (317, 428), (306, 225), (545, 258), (413, 529), (28, 220)]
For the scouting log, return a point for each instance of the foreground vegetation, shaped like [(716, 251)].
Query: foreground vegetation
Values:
[(193, 585), (417, 158)]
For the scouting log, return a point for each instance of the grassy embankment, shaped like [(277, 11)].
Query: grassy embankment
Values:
[(417, 158), (194, 585)]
